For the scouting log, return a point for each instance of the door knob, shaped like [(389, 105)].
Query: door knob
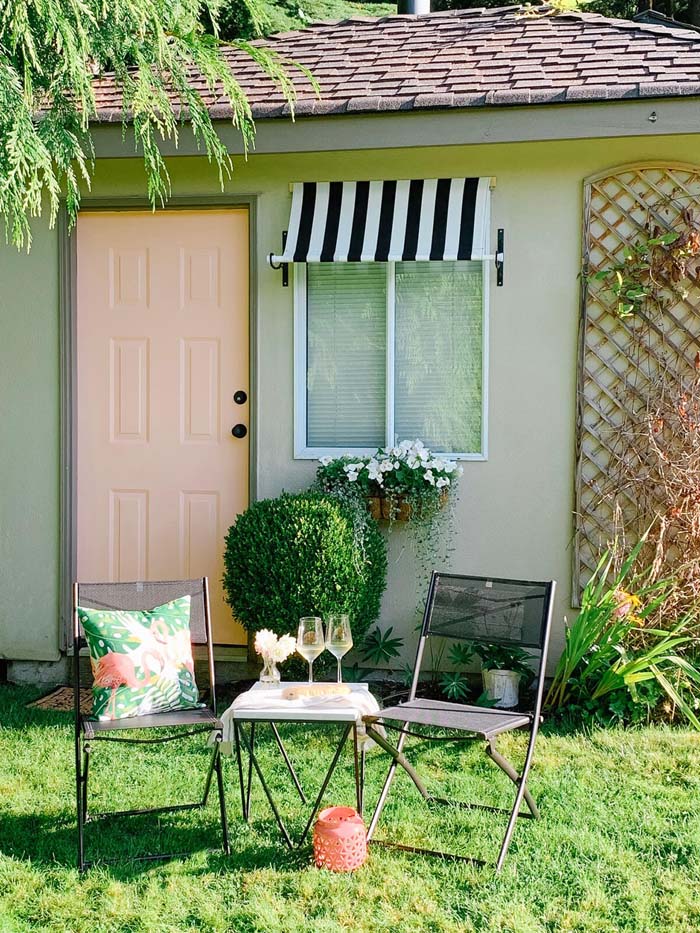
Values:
[(240, 397), (239, 430)]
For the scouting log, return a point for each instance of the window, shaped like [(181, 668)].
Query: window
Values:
[(387, 351)]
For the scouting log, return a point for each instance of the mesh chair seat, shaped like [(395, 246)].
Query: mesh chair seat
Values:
[(476, 719), (180, 717)]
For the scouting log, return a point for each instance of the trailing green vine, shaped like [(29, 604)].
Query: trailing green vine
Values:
[(651, 266)]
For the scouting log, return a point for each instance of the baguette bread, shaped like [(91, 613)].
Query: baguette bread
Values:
[(315, 690)]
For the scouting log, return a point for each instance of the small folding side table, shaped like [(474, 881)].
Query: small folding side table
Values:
[(264, 703)]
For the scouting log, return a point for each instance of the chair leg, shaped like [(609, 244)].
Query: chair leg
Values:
[(508, 769), (522, 791), (79, 798), (210, 772), (222, 799), (398, 758), (86, 768)]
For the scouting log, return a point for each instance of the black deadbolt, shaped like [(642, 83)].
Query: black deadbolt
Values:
[(239, 430), (240, 397)]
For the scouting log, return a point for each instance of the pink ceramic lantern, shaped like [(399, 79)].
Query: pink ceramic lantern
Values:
[(340, 839)]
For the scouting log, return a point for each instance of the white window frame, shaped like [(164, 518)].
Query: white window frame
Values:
[(304, 452)]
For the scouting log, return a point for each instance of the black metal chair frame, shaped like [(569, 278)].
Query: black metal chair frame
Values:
[(202, 720), (502, 721)]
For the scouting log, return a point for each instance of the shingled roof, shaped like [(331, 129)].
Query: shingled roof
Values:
[(465, 58)]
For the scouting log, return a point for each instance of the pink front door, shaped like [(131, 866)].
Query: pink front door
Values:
[(162, 336)]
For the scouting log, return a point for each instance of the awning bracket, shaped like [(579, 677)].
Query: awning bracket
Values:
[(284, 266), (499, 256)]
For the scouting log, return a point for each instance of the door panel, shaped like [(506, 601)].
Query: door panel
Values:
[(162, 336)]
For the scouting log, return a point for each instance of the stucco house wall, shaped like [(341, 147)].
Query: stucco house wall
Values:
[(514, 515)]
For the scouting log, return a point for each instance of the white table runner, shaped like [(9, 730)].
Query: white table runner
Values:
[(265, 702)]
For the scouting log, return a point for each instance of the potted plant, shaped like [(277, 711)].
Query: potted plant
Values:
[(502, 668), (402, 483)]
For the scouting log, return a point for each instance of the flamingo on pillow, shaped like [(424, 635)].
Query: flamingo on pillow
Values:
[(141, 661)]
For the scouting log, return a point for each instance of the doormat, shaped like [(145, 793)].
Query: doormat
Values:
[(61, 700)]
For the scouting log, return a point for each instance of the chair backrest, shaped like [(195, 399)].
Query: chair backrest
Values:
[(488, 610), (142, 596)]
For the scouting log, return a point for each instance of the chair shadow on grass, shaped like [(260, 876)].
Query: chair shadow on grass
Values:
[(47, 841)]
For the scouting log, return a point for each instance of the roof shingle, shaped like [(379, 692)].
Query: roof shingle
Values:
[(463, 58)]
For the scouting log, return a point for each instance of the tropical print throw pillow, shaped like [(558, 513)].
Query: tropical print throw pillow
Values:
[(141, 661)]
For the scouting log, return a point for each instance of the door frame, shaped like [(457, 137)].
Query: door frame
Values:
[(68, 315)]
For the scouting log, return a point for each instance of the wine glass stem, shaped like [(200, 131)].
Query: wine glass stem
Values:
[(340, 672), (311, 677)]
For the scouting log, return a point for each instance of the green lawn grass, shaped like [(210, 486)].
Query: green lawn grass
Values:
[(618, 848)]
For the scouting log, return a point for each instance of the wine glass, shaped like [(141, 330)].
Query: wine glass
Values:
[(310, 641), (338, 637)]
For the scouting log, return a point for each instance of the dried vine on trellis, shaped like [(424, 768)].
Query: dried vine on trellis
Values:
[(659, 471)]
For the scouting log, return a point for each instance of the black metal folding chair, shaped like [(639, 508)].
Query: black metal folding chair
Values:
[(144, 596), (483, 610)]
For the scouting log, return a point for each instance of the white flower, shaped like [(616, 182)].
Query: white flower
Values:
[(396, 465), (412, 462), (374, 469), (265, 641), (324, 461), (273, 648), (423, 454), (442, 481), (429, 478), (437, 464), (395, 451), (352, 476), (418, 444), (406, 445), (286, 645), (449, 467), (386, 466)]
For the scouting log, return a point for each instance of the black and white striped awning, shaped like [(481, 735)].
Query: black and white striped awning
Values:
[(380, 221)]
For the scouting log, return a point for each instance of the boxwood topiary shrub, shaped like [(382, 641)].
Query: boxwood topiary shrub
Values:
[(301, 555)]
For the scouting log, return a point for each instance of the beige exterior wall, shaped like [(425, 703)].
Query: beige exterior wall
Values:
[(514, 516)]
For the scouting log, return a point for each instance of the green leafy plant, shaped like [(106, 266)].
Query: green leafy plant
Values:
[(381, 647), (598, 665), (504, 658), (461, 653), (158, 61), (405, 482), (296, 555), (454, 685), (406, 476), (651, 266)]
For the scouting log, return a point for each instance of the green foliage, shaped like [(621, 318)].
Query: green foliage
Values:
[(297, 555), (597, 667), (632, 281), (381, 647), (504, 658), (238, 21), (51, 52), (461, 653), (454, 685), (684, 11)]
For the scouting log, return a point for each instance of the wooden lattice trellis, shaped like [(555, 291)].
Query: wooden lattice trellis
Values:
[(620, 359)]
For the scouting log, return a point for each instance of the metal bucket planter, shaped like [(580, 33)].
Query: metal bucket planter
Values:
[(502, 687)]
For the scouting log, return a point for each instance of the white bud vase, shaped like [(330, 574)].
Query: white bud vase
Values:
[(270, 673)]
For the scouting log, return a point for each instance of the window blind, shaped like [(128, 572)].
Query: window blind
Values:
[(438, 354), (346, 355)]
